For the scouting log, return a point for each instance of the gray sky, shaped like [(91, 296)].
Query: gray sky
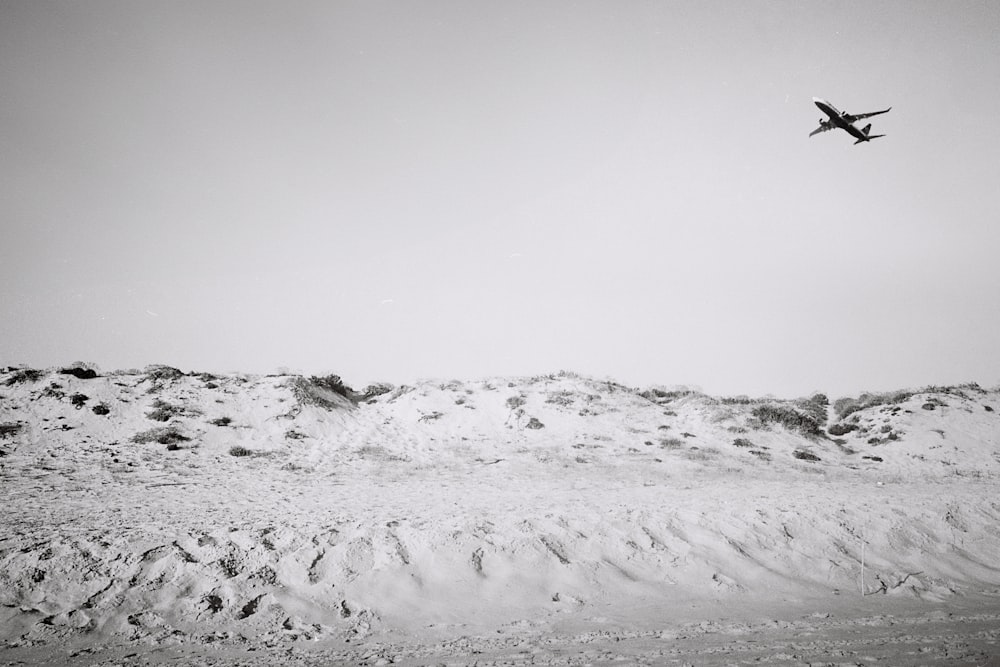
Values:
[(393, 190)]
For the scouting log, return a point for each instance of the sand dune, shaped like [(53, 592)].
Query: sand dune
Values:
[(157, 515)]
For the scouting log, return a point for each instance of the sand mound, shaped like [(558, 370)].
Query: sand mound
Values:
[(164, 507)]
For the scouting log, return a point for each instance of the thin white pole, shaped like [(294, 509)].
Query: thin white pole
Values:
[(862, 567)]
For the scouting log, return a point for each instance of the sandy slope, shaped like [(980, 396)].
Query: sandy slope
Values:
[(538, 519)]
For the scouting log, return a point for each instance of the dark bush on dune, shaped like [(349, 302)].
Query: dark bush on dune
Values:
[(788, 417), (842, 429), (159, 376), (10, 428), (815, 406), (334, 384), (375, 390), (162, 411), (80, 373)]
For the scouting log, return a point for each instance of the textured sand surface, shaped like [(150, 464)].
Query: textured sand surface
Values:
[(547, 520)]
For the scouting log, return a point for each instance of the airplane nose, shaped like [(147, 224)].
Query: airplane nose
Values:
[(817, 99)]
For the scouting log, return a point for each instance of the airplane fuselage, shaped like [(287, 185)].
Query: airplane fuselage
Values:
[(837, 119)]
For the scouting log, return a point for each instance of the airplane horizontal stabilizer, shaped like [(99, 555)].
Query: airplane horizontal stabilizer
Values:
[(868, 138)]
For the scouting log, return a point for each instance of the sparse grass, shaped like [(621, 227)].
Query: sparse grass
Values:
[(378, 453), (701, 453), (563, 398), (21, 375), (163, 411)]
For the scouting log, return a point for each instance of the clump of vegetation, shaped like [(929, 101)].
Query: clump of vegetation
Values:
[(842, 429), (163, 411), (533, 423), (221, 421), (79, 400), (431, 416), (159, 376), (164, 435), (515, 402), (21, 375), (239, 450), (815, 406), (741, 400), (80, 372), (10, 428), (661, 396), (320, 391), (847, 406), (671, 443), (805, 456), (742, 442), (789, 417), (563, 398), (54, 390), (375, 390), (101, 409), (334, 384)]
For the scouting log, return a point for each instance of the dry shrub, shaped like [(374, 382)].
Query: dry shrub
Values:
[(165, 436)]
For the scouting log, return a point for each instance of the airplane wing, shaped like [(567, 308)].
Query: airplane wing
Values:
[(850, 118), (823, 127)]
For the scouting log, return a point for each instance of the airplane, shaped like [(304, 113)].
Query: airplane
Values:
[(845, 121)]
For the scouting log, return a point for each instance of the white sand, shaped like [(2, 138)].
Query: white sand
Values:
[(436, 524)]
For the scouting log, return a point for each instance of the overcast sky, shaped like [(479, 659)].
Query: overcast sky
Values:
[(397, 190)]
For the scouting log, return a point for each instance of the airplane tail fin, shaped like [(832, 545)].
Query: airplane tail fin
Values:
[(865, 130)]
